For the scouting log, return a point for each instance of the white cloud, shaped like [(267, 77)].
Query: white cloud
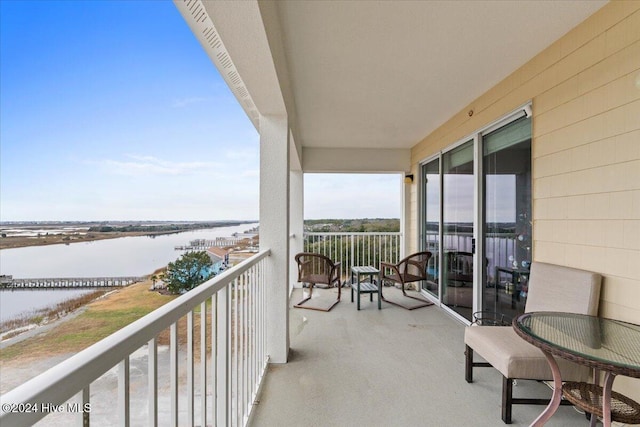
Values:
[(149, 165)]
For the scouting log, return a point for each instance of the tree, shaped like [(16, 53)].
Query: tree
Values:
[(188, 271), (154, 279)]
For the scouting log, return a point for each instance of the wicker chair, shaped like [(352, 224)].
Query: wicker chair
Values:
[(410, 269), (317, 269)]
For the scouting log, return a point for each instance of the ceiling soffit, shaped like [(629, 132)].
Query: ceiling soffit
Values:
[(386, 74)]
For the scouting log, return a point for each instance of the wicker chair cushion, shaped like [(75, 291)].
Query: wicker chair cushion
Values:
[(403, 278), (317, 279)]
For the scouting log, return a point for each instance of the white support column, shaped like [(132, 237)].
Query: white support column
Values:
[(405, 217), (274, 230), (296, 223)]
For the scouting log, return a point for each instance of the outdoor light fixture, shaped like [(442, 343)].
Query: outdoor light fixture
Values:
[(408, 179)]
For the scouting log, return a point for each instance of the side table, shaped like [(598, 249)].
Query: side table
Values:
[(370, 287), (517, 276)]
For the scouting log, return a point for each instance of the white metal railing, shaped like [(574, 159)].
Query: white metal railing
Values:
[(355, 248), (231, 362), (371, 248)]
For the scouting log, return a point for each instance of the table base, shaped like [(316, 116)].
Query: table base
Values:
[(589, 398)]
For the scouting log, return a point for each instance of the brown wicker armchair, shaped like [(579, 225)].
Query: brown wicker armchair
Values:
[(410, 269), (317, 269)]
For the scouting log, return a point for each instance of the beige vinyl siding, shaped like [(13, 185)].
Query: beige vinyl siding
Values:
[(585, 90)]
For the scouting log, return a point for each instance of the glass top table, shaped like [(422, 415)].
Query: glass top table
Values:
[(606, 345)]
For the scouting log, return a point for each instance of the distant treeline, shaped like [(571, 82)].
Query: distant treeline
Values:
[(162, 228), (467, 227), (363, 225)]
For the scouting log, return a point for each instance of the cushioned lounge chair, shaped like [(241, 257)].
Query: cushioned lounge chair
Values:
[(551, 288)]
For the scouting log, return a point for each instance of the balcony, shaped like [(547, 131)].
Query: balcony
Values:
[(389, 367), (346, 367)]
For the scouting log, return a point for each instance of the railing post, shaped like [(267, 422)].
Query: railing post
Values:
[(85, 407), (152, 372), (173, 369), (223, 346), (234, 372), (352, 260), (190, 370), (123, 392), (203, 364), (214, 357)]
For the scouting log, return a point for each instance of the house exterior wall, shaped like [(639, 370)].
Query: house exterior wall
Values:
[(585, 90)]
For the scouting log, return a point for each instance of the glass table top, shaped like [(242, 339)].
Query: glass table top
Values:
[(607, 341)]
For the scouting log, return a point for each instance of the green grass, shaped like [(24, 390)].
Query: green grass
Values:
[(101, 319)]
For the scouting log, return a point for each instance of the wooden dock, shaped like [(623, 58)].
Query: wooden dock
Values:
[(203, 244), (70, 282)]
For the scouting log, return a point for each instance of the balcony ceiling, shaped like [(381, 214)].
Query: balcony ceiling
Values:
[(356, 74)]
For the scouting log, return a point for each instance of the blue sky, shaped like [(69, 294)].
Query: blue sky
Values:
[(112, 110)]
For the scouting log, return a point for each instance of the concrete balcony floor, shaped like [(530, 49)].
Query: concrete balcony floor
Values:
[(389, 367)]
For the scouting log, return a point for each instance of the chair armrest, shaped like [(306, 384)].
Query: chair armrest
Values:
[(335, 273), (337, 267)]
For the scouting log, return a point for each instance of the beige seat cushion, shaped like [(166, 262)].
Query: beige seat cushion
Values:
[(516, 358)]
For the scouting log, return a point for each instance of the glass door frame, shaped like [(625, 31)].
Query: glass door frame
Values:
[(478, 197), (422, 229)]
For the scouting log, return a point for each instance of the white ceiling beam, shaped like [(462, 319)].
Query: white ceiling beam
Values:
[(355, 160)]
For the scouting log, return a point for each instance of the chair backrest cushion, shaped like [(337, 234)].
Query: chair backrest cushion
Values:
[(558, 288)]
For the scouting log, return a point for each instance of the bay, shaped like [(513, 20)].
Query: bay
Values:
[(125, 256)]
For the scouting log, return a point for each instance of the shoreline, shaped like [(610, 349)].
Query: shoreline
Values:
[(33, 329), (84, 325), (25, 326), (59, 311), (15, 242), (34, 352), (26, 242)]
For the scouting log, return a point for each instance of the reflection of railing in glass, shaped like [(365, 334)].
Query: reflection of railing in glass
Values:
[(500, 249)]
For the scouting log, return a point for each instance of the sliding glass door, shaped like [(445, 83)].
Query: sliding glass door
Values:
[(488, 203), (431, 224), (458, 185), (506, 233)]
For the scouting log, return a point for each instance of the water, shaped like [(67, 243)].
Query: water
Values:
[(126, 256)]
